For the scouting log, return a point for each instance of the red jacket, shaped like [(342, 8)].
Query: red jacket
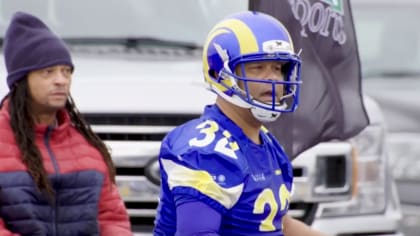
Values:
[(86, 201)]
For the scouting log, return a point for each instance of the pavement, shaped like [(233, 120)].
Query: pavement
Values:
[(410, 224)]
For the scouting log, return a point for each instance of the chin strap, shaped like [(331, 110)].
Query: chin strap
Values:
[(264, 115)]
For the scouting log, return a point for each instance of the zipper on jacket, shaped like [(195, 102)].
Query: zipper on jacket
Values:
[(56, 174)]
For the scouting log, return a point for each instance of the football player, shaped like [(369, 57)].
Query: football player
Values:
[(224, 173)]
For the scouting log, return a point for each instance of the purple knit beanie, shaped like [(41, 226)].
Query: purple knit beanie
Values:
[(30, 45)]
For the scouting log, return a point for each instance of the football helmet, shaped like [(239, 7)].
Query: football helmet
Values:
[(251, 37)]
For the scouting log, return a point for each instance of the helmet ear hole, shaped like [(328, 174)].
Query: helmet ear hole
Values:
[(213, 73), (286, 68)]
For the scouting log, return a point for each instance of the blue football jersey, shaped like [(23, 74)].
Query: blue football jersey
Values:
[(213, 161)]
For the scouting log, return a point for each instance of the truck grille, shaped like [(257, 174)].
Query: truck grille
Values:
[(136, 119), (135, 141), (147, 127)]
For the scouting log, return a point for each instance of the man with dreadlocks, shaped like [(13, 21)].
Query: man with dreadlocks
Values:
[(56, 175)]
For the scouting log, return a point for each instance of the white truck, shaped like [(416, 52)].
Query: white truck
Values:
[(138, 75)]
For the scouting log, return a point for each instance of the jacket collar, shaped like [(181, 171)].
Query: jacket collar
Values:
[(63, 120)]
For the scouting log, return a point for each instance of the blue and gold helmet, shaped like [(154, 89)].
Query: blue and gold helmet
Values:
[(251, 37)]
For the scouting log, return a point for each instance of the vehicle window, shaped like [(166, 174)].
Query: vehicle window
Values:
[(181, 20), (388, 41)]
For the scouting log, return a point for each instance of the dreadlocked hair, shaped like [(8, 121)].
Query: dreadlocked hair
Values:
[(85, 129), (22, 124)]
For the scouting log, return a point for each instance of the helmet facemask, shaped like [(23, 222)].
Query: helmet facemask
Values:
[(283, 92)]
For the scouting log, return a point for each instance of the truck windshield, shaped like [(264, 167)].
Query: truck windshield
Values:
[(180, 21), (388, 40)]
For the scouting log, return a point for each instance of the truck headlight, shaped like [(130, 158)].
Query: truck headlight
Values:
[(404, 155), (369, 195)]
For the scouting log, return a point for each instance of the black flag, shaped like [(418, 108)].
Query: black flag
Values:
[(331, 104)]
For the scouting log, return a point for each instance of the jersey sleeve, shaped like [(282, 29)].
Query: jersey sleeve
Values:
[(208, 225), (201, 173)]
